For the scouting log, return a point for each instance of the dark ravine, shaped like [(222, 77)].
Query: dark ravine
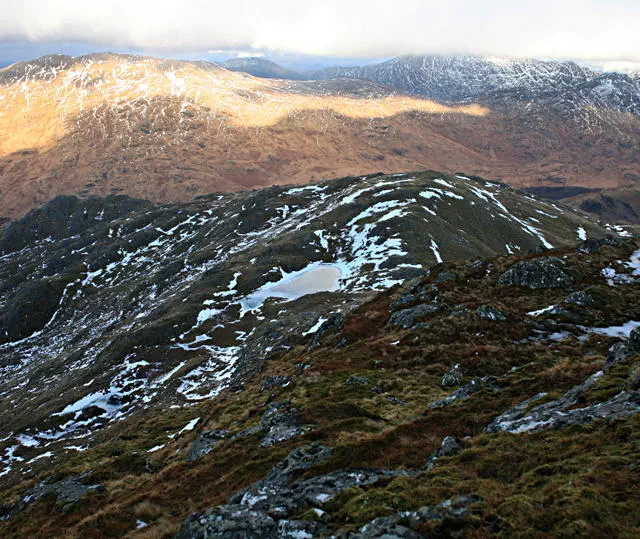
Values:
[(163, 392)]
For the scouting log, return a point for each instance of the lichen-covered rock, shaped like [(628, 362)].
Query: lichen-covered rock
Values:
[(271, 382), (408, 317), (401, 525), (205, 443), (560, 412), (451, 378), (491, 313), (280, 423), (537, 274), (580, 298)]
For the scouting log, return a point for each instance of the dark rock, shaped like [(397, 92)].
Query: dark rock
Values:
[(275, 381), (634, 340), (559, 413), (581, 299), (418, 294), (205, 443), (396, 400), (446, 277), (358, 380), (459, 394), (618, 352), (401, 525), (451, 378), (408, 317), (537, 274), (490, 313), (592, 245), (68, 491), (280, 422), (331, 326)]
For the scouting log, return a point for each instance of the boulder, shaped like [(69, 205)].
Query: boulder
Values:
[(450, 446), (408, 317), (406, 525), (581, 299), (271, 382), (560, 413), (537, 274), (618, 352), (205, 443), (490, 313), (280, 422), (451, 378), (446, 277), (459, 394)]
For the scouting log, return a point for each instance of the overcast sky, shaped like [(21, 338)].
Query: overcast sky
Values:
[(592, 30)]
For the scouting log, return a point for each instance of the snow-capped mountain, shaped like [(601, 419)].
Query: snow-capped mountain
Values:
[(458, 78), (261, 67), (562, 85)]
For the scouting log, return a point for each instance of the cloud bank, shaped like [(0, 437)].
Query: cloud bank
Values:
[(577, 29)]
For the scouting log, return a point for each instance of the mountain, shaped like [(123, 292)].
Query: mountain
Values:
[(167, 130), (459, 78), (576, 91), (262, 68), (277, 357)]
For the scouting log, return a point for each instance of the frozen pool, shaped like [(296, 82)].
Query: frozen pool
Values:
[(310, 280)]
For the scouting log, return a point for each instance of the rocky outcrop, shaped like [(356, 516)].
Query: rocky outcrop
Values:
[(489, 312), (559, 413), (67, 491), (280, 423), (408, 317), (402, 525), (205, 443), (66, 216), (466, 391), (537, 274), (450, 446), (264, 509)]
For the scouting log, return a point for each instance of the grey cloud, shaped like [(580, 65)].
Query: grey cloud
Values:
[(580, 29)]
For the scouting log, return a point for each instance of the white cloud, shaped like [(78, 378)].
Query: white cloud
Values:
[(579, 29)]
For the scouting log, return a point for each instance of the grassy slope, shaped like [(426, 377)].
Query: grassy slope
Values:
[(580, 481)]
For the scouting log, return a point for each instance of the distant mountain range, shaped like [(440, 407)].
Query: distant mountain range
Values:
[(169, 130), (263, 68)]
